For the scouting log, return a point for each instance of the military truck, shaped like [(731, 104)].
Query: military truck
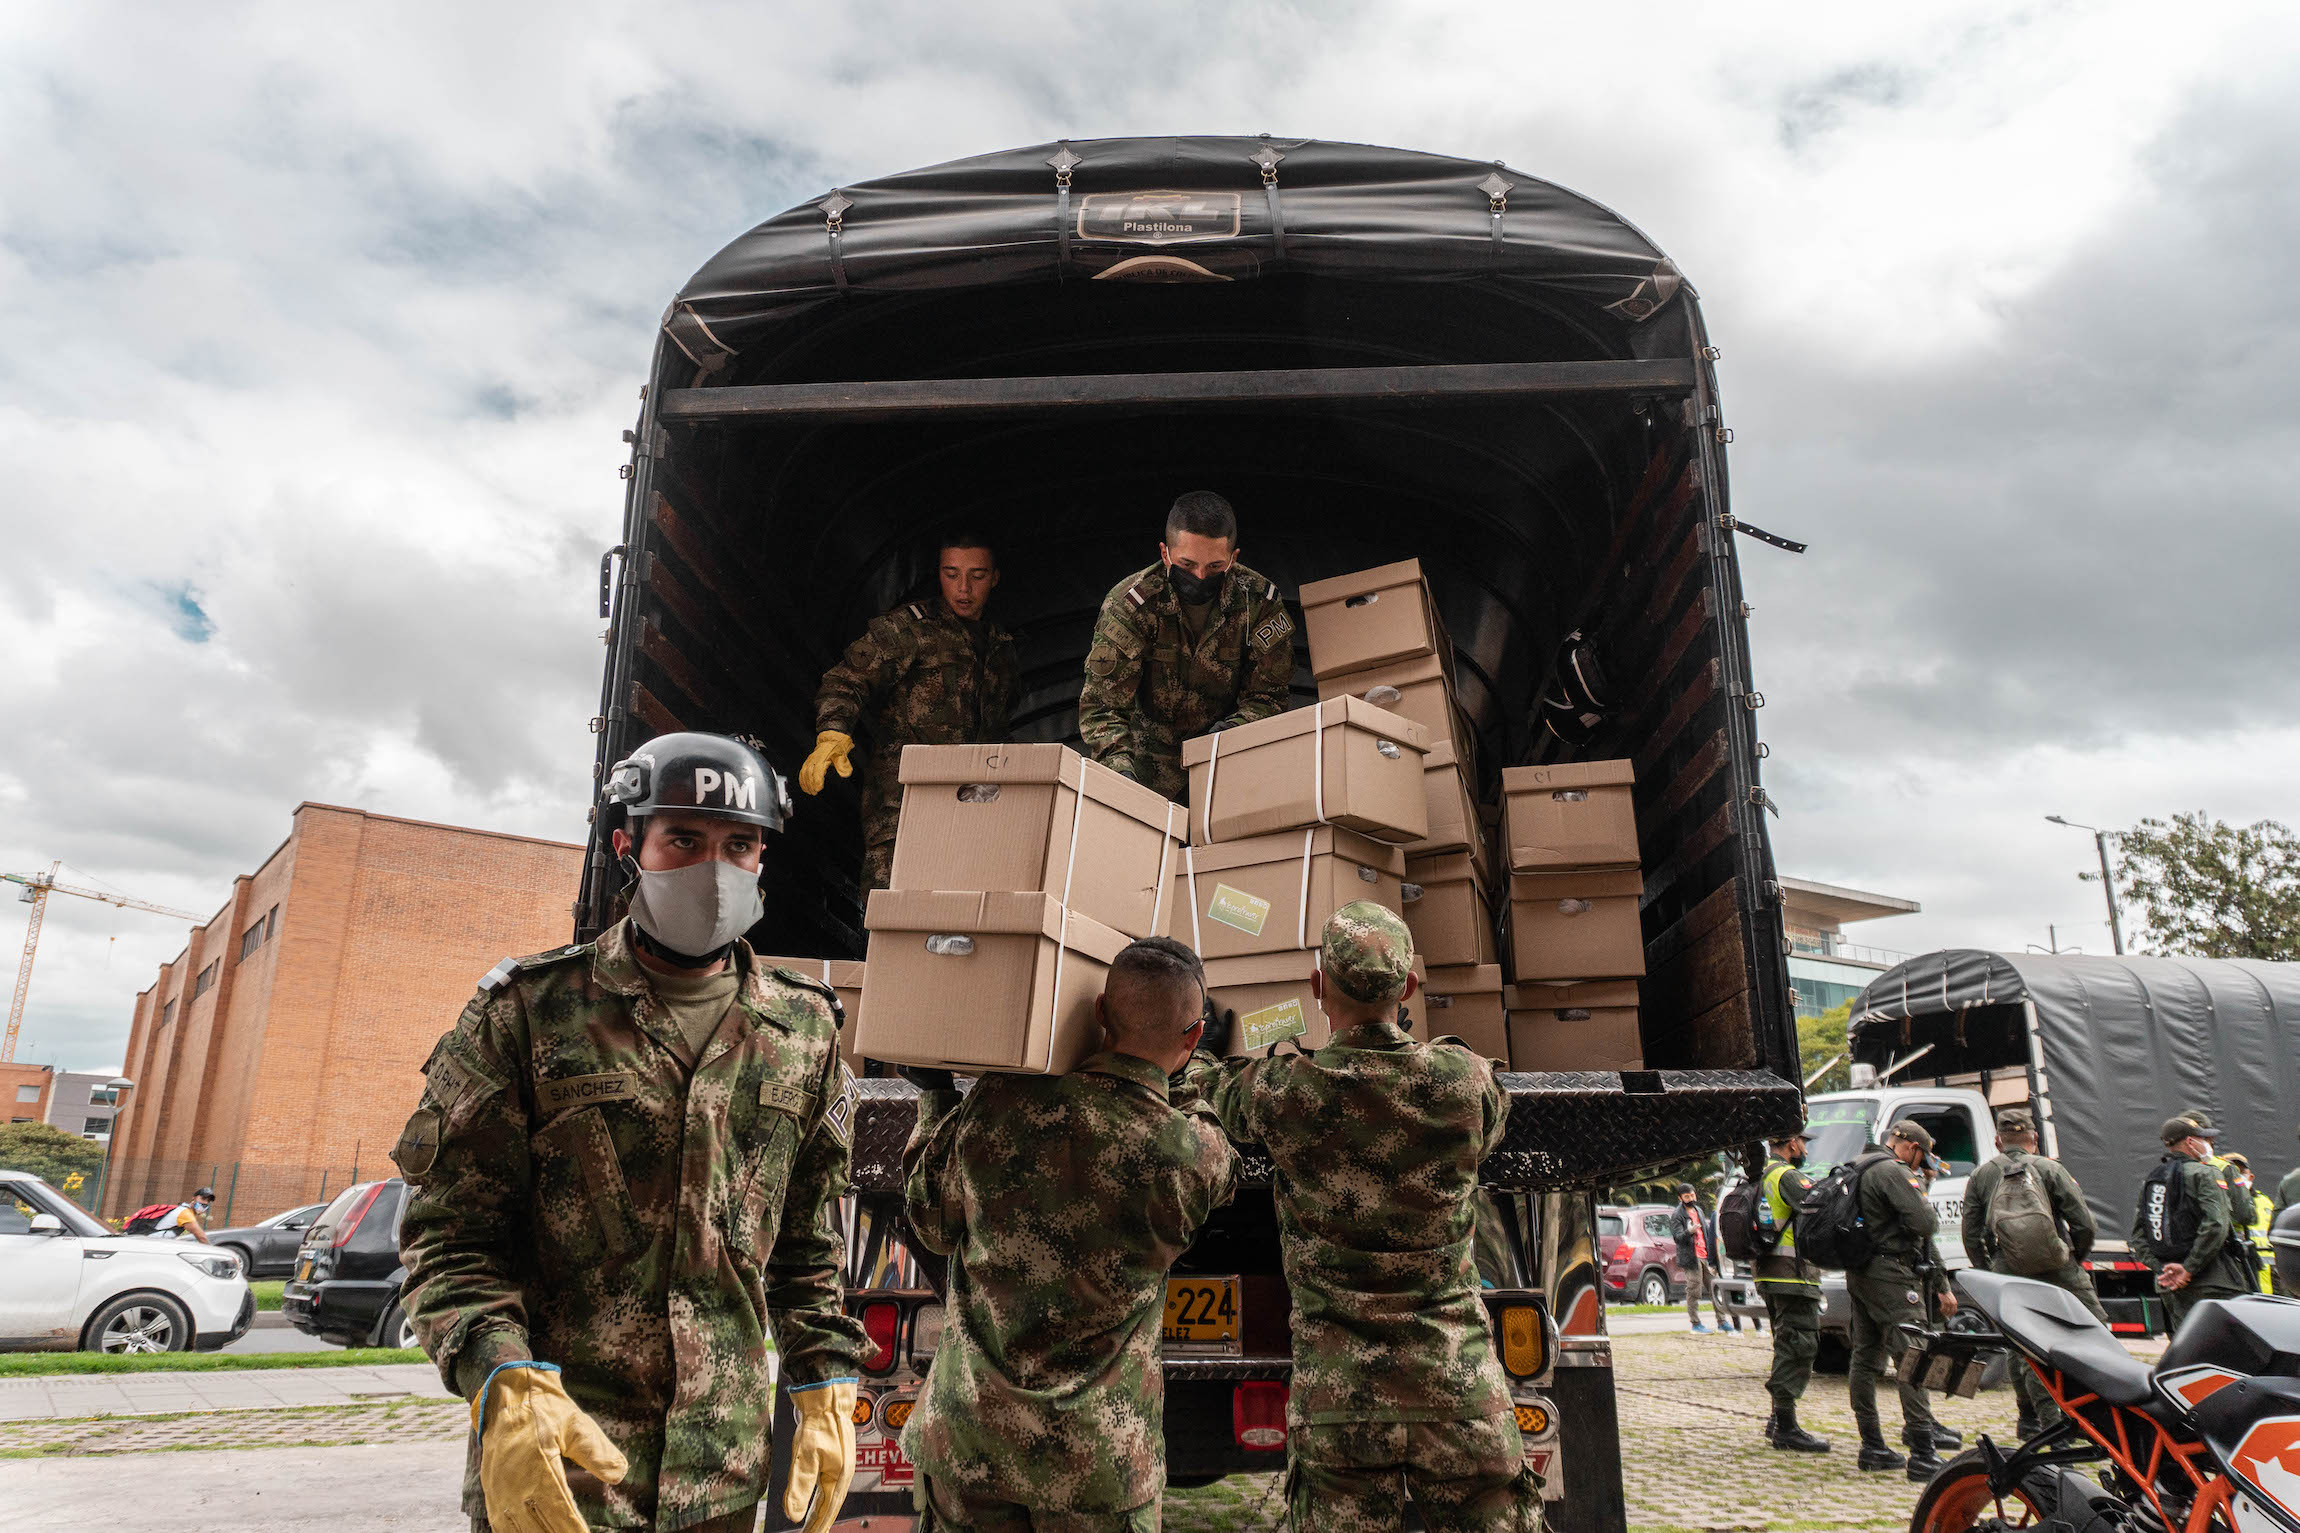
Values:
[(1375, 354)]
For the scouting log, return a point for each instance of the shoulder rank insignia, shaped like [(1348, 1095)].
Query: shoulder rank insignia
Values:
[(819, 987), (1134, 595), (917, 612), (508, 970)]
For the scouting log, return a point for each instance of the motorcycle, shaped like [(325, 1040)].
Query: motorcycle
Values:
[(2206, 1441)]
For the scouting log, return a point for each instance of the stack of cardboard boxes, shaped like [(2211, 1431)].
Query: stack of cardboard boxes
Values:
[(1376, 637), (1021, 870), (1576, 944)]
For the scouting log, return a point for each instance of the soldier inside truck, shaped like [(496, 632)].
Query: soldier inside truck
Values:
[(1377, 355)]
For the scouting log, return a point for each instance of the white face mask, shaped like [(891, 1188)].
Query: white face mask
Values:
[(697, 909)]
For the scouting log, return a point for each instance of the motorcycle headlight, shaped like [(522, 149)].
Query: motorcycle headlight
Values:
[(216, 1264)]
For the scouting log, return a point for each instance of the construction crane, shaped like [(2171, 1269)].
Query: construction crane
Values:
[(36, 889)]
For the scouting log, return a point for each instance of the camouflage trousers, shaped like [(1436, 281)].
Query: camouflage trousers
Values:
[(1795, 1311), (1353, 1477), (944, 1508), (881, 818), (2035, 1400), (727, 1522)]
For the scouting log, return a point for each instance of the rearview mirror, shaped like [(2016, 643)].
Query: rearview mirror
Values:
[(47, 1224)]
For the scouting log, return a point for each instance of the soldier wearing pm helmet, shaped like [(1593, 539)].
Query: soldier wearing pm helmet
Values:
[(618, 1178)]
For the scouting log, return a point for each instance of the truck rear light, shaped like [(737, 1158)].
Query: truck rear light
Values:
[(1258, 1415), (351, 1218), (880, 1321), (1524, 1343), (925, 1334)]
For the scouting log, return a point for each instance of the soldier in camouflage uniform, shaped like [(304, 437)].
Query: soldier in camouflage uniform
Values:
[(620, 1180), (1193, 644), (2073, 1225), (1377, 1141), (1062, 1200), (926, 673)]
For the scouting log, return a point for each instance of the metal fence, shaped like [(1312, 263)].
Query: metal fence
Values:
[(246, 1191)]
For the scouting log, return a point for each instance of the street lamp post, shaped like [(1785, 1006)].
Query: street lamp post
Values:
[(118, 1085), (2107, 879)]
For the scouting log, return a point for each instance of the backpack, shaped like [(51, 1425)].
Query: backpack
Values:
[(2021, 1223), (1830, 1230), (1739, 1230), (147, 1219), (2165, 1211)]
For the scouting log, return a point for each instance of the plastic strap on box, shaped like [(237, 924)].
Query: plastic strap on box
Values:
[(1302, 909), (1165, 854), (1062, 937), (1190, 871), (1317, 764), (1206, 816)]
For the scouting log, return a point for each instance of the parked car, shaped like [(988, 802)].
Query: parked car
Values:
[(267, 1249), (1640, 1257), (68, 1283), (345, 1286)]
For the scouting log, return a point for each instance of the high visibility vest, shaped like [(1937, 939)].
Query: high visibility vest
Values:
[(1777, 1209), (2263, 1216)]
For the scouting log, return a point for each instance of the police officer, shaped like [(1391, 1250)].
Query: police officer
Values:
[(1791, 1289), (2252, 1212), (1063, 1201), (2182, 1224), (619, 1178), (2066, 1231), (935, 672), (1193, 644), (1376, 1141), (1889, 1291)]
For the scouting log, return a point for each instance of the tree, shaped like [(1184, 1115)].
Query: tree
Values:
[(66, 1162), (1818, 1039), (2205, 889)]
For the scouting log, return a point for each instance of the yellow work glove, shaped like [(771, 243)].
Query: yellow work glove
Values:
[(822, 1452), (831, 750), (526, 1426)]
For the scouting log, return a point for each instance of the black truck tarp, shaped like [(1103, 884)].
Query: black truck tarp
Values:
[(2118, 1046)]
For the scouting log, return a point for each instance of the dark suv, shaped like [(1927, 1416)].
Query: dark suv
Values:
[(345, 1287)]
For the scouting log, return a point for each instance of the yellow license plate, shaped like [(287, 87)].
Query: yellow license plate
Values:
[(1202, 1315)]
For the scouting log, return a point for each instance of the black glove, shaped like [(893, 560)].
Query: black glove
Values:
[(1221, 1024), (927, 1078)]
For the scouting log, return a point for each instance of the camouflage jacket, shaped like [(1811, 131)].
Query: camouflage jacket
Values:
[(918, 676), (1149, 687), (581, 1194), (1062, 1201), (1376, 1141)]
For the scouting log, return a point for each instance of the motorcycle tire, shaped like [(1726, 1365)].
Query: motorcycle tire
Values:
[(2049, 1499)]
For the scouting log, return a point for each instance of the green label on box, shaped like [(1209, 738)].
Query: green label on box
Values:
[(1235, 907), (1260, 1029)]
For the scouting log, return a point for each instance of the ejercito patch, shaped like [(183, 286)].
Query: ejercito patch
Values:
[(782, 1097), (576, 1090)]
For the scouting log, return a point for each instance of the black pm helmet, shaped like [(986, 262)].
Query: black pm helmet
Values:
[(713, 775)]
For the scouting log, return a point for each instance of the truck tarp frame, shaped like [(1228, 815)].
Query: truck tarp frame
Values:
[(2122, 1044)]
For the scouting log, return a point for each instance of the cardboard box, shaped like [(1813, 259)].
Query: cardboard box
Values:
[(1418, 689), (1024, 818), (1370, 618), (1273, 894), (1465, 1001), (1574, 1027), (1342, 763), (843, 975), (982, 981), (1446, 910), (1450, 790), (1270, 992), (1580, 923), (1576, 814)]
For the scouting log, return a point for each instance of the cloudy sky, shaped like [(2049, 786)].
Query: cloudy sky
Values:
[(321, 325)]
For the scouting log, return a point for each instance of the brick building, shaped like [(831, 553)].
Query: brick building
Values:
[(24, 1092), (279, 1055)]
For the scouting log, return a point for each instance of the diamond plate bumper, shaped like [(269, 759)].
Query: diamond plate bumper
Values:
[(1566, 1130)]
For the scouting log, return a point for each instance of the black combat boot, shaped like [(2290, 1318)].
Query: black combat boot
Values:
[(1915, 1440), (1924, 1463), (1792, 1438), (1874, 1453), (1773, 1424), (2026, 1428)]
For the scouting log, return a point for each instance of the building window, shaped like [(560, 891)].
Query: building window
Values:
[(95, 1126), (251, 939), (101, 1096), (271, 923), (27, 1093), (207, 979), (167, 1013)]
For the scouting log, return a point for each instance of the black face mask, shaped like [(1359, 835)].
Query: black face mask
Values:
[(1195, 590)]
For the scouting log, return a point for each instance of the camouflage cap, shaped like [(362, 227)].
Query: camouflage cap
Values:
[(1367, 952)]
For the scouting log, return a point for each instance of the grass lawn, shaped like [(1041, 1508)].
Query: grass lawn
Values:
[(20, 1364), (1643, 1309), (268, 1294)]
